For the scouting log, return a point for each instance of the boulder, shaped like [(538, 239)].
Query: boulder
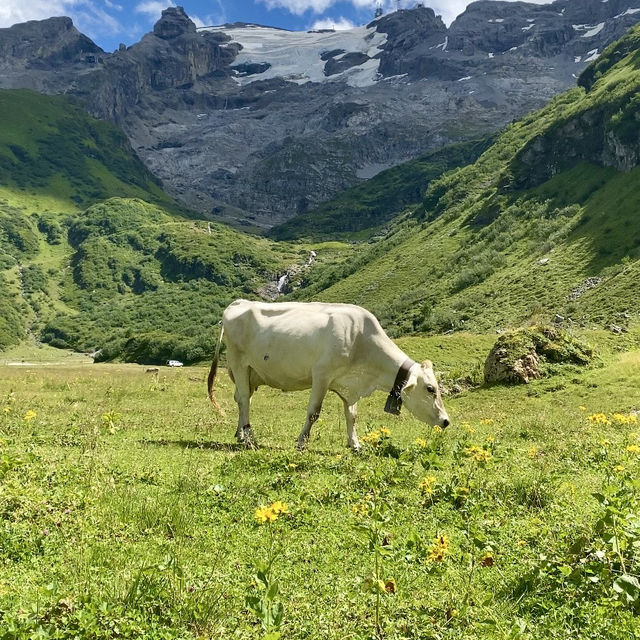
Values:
[(526, 354)]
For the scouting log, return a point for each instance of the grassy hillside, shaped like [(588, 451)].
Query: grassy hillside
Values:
[(537, 226), (95, 256), (54, 157), (148, 287), (129, 279), (361, 210)]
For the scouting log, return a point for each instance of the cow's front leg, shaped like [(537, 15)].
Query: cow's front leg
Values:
[(244, 433), (318, 393), (350, 414)]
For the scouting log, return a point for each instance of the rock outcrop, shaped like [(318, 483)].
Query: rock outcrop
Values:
[(523, 355)]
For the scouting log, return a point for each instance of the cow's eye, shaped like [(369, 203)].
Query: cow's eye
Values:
[(431, 388)]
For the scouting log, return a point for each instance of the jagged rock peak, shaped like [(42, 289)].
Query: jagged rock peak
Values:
[(41, 43), (173, 23), (420, 19)]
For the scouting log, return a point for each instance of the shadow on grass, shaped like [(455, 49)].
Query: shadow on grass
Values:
[(196, 444), (230, 446)]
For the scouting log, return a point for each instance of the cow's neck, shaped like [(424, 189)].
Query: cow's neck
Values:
[(389, 368)]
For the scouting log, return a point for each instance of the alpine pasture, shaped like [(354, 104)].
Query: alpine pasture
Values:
[(128, 511)]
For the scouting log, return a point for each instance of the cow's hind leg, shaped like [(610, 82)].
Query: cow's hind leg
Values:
[(318, 392), (350, 414), (242, 396)]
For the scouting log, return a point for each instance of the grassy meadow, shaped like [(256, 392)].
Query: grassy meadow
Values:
[(127, 510)]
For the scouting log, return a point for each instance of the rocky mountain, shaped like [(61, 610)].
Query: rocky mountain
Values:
[(255, 125)]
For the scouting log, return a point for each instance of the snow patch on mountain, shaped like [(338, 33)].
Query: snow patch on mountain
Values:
[(301, 56)]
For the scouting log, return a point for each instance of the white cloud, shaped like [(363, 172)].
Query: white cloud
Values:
[(339, 24), (153, 8), (218, 16), (14, 11), (448, 9), (299, 6)]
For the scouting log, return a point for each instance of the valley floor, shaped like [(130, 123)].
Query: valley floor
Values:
[(127, 510)]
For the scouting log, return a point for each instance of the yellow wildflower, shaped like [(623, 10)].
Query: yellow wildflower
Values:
[(265, 514), (439, 548), (619, 468), (533, 451), (487, 559), (468, 428), (490, 439), (633, 448), (360, 509), (7, 409), (279, 507), (479, 454), (30, 415), (599, 418), (487, 421), (522, 543), (421, 442), (373, 437), (293, 465), (385, 431), (426, 485), (437, 430), (582, 407), (606, 443), (271, 513)]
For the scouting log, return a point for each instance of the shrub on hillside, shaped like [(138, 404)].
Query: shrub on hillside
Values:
[(156, 347)]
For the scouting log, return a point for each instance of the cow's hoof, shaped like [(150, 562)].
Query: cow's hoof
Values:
[(302, 445), (355, 448)]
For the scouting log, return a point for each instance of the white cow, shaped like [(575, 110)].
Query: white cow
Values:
[(325, 347)]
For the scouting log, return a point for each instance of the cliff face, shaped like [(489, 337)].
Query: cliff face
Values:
[(605, 132), (254, 124)]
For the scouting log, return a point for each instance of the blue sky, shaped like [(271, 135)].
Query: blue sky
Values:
[(109, 22)]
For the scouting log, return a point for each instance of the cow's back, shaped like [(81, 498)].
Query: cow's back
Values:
[(283, 342)]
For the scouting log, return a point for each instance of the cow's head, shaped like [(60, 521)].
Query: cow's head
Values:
[(421, 395)]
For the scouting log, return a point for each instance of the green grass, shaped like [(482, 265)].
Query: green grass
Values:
[(126, 510)]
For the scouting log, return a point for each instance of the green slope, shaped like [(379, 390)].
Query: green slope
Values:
[(54, 157), (366, 207), (95, 256), (537, 226), (149, 287)]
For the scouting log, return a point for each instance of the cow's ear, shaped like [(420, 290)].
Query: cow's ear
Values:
[(427, 364)]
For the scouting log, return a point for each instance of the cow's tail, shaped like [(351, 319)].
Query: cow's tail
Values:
[(213, 370)]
